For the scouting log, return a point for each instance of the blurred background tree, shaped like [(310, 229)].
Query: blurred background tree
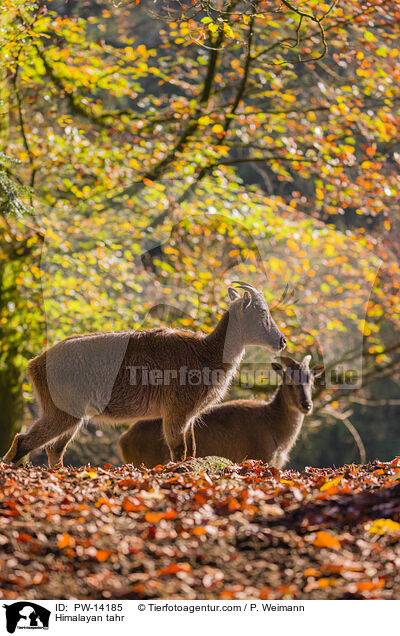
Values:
[(167, 148)]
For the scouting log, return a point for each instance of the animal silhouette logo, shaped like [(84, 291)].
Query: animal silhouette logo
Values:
[(26, 615)]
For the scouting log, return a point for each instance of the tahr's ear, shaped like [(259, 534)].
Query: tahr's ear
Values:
[(233, 293), (277, 368), (246, 301), (318, 370)]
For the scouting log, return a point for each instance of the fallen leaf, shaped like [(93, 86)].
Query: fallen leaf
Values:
[(170, 514), (381, 526), (326, 582), (174, 568), (102, 555), (66, 541), (326, 540), (133, 505), (329, 484), (311, 572), (154, 517), (366, 586), (199, 530)]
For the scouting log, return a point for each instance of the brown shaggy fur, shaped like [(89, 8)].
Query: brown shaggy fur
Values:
[(237, 430)]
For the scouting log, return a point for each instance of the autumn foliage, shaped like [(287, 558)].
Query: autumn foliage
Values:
[(168, 151)]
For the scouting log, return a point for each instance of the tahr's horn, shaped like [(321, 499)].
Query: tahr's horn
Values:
[(246, 286)]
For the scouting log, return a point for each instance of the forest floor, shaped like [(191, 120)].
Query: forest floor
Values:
[(250, 532)]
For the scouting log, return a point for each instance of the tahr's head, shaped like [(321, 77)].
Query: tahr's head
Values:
[(252, 318), (298, 381)]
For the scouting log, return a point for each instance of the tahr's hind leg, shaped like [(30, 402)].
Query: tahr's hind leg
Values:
[(42, 431), (55, 451), (194, 449), (174, 429)]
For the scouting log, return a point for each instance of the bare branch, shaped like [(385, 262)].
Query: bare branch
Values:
[(343, 417)]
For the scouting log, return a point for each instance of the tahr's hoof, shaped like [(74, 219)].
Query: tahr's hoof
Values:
[(56, 466)]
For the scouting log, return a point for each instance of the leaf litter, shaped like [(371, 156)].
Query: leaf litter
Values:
[(249, 531)]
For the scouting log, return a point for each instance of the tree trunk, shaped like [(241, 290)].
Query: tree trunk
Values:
[(11, 360), (11, 375), (11, 405)]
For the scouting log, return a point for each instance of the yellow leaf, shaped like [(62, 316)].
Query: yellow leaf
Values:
[(205, 120), (382, 51), (330, 483), (187, 322), (288, 97), (292, 245), (228, 30), (370, 36), (141, 49), (84, 474), (381, 526)]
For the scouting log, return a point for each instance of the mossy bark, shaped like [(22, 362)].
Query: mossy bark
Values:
[(11, 375)]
